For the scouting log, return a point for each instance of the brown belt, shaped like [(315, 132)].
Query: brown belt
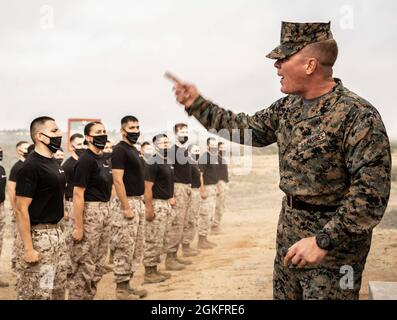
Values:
[(44, 226)]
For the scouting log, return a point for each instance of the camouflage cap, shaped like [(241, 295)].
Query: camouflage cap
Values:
[(295, 36)]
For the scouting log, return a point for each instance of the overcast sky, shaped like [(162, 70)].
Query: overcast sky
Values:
[(106, 59)]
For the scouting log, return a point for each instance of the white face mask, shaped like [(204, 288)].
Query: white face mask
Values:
[(148, 151)]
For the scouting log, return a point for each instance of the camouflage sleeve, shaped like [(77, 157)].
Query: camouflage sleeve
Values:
[(368, 161), (258, 129)]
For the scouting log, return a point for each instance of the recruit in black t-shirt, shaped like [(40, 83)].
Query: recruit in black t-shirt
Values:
[(182, 168), (15, 170), (126, 157), (196, 182), (162, 176), (208, 166), (42, 180), (3, 182), (223, 172), (68, 167), (94, 174)]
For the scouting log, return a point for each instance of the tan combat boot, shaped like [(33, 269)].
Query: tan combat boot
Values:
[(203, 243), (213, 244), (166, 275), (188, 251), (141, 293), (4, 284), (172, 264), (182, 260), (123, 292), (216, 230), (151, 275)]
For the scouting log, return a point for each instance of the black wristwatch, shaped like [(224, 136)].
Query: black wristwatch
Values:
[(323, 240)]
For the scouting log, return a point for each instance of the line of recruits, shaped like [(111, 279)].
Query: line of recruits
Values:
[(136, 201)]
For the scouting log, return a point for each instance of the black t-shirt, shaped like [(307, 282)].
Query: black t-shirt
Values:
[(42, 180), (208, 166), (196, 182), (3, 182), (15, 170), (162, 175), (223, 172), (179, 158), (94, 174), (126, 157), (68, 167), (143, 163)]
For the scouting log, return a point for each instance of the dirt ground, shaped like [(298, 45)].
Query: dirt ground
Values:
[(241, 266)]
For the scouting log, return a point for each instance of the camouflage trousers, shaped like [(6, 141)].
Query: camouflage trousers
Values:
[(220, 203), (89, 255), (127, 239), (313, 284), (68, 226), (207, 210), (2, 224), (155, 233), (113, 208), (14, 232), (114, 202), (45, 280), (338, 276), (190, 226), (174, 232)]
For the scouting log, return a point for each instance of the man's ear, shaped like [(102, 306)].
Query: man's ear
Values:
[(311, 66), (37, 137)]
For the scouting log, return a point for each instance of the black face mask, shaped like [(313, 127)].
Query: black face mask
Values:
[(163, 152), (79, 152), (107, 155), (196, 157), (183, 139), (132, 137), (1, 155), (100, 141), (55, 143), (59, 161)]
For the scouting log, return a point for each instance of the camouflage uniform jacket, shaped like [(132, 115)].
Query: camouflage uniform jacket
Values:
[(333, 152)]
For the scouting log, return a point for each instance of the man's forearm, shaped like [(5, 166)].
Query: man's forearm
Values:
[(148, 196), (11, 195), (202, 186), (23, 223), (368, 159), (257, 130), (121, 194), (78, 208)]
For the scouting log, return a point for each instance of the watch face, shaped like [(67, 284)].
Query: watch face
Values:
[(323, 241)]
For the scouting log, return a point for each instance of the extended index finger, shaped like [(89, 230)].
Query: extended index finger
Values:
[(172, 77)]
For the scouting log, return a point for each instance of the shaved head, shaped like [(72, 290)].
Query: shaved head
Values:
[(37, 125), (326, 52)]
